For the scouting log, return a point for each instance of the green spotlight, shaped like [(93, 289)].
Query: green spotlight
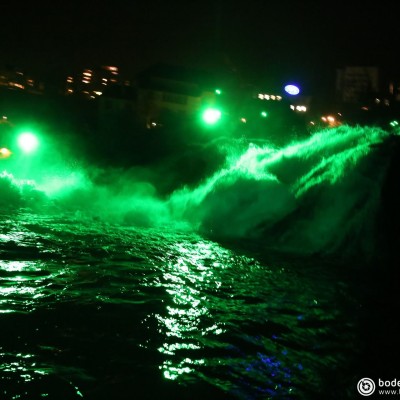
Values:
[(211, 116), (28, 142), (264, 114), (218, 91)]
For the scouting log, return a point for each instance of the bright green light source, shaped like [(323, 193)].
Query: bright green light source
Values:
[(394, 123), (211, 116), (28, 142), (264, 114), (218, 91)]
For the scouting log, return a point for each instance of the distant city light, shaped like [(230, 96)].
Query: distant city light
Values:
[(17, 85), (4, 152), (330, 120), (299, 108), (293, 90), (262, 96)]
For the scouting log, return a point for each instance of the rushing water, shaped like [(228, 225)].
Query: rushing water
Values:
[(219, 291)]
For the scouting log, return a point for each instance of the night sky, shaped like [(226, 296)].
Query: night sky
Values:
[(257, 40)]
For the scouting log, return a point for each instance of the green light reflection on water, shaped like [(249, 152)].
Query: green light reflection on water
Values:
[(172, 372), (16, 289), (172, 348), (27, 369), (23, 284), (18, 266), (186, 279), (23, 365), (13, 236)]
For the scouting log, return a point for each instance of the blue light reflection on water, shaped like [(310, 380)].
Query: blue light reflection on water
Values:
[(101, 307)]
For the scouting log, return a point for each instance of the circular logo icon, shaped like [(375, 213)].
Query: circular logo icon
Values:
[(366, 386)]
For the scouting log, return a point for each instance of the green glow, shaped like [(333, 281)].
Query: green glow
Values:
[(28, 142), (328, 151), (270, 180), (61, 183), (264, 114), (334, 161), (394, 123), (211, 116), (218, 91)]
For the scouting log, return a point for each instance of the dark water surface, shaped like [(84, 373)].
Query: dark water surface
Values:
[(94, 310)]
